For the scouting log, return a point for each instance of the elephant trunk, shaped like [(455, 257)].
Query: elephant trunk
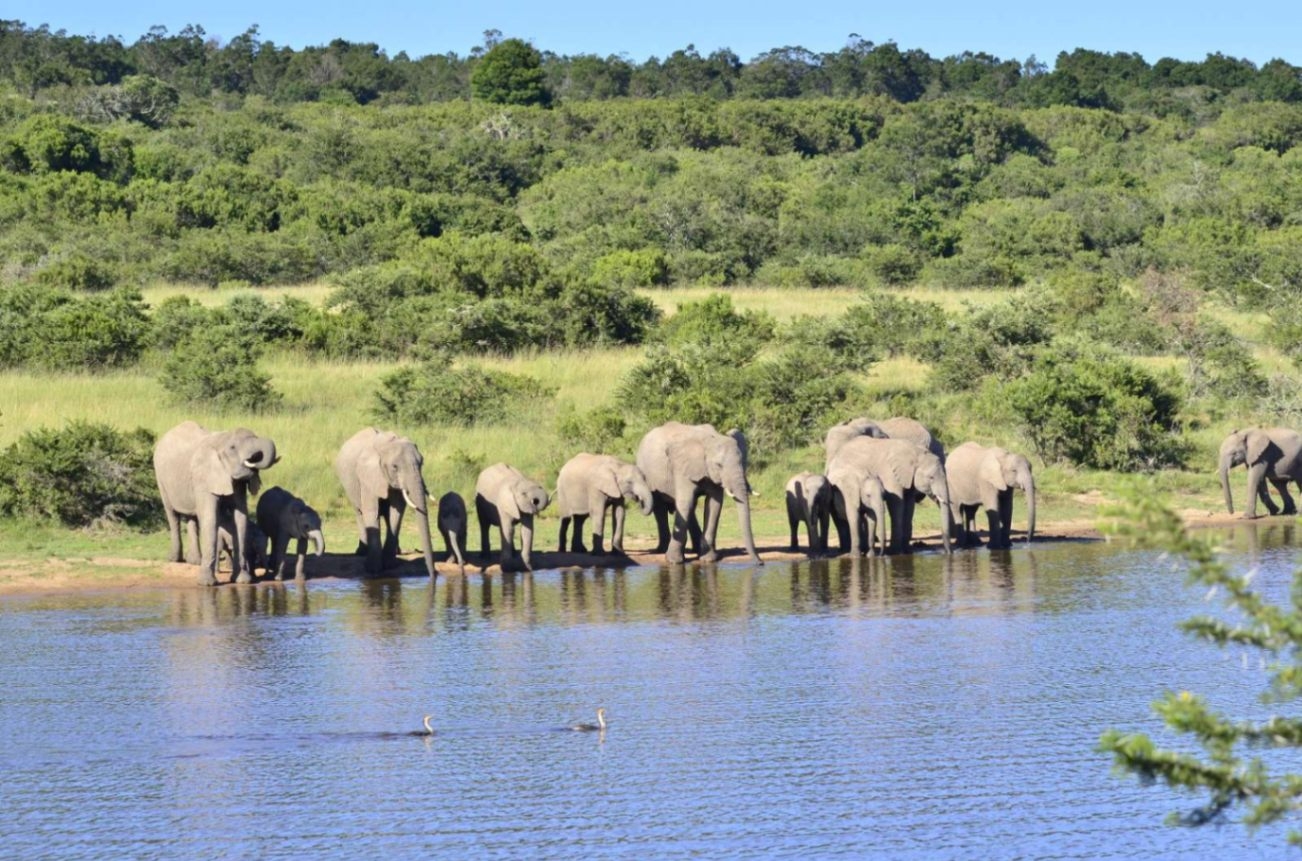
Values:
[(259, 453), (1028, 487), (1226, 461), (743, 513), (426, 546), (318, 541), (946, 518)]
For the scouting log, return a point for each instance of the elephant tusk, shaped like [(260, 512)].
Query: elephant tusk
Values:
[(410, 501), (251, 465)]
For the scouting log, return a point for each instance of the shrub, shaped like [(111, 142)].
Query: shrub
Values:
[(82, 474), (712, 323), (1096, 409), (599, 431), (217, 366), (646, 267), (102, 331), (436, 392)]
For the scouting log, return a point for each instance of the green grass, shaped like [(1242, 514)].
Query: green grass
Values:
[(326, 402)]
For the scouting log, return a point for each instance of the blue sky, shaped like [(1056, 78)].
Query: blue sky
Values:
[(1188, 30)]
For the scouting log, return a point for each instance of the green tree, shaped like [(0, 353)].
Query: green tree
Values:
[(510, 73), (1229, 773)]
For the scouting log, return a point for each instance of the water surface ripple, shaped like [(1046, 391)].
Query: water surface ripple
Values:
[(907, 708)]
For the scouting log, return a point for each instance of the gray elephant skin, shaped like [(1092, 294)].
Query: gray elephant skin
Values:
[(452, 526), (908, 473), (282, 516), (504, 496), (198, 471), (589, 485), (381, 475), (898, 427), (986, 477), (683, 462), (255, 548), (809, 501), (859, 501), (1271, 454)]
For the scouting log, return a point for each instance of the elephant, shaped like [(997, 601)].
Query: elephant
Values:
[(682, 462), (981, 476), (504, 496), (381, 475), (282, 516), (588, 485), (907, 472), (860, 493), (452, 526), (198, 471), (1273, 454), (809, 501), (898, 427)]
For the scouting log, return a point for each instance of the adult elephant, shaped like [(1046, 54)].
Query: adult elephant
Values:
[(587, 486), (381, 475), (682, 462), (985, 477), (1273, 454), (897, 427), (198, 471), (859, 501), (908, 473)]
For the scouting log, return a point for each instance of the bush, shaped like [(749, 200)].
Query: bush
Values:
[(217, 366), (646, 267), (435, 392), (1096, 409), (599, 431), (102, 331), (713, 324), (82, 474)]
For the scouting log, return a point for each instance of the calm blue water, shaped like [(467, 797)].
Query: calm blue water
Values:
[(910, 708)]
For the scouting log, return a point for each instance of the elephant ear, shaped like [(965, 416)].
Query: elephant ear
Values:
[(370, 474), (900, 471), (991, 472), (1256, 445), (209, 473), (687, 459), (608, 483)]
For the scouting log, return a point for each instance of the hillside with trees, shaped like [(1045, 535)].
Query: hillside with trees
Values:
[(1123, 212)]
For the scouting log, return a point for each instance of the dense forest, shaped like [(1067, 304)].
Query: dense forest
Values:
[(514, 199)]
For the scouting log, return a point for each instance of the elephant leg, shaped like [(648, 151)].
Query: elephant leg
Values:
[(239, 553), (576, 543), (694, 526), (1006, 519), (506, 531), (597, 503), (855, 520), (193, 554), (363, 543), (1256, 475), (526, 541), (300, 569), (995, 523), (617, 529), (278, 552), (660, 508), (174, 534), (1264, 495), (678, 535), (1289, 506), (207, 543), (822, 532), (483, 514), (370, 520), (793, 523), (565, 528), (394, 523), (710, 536)]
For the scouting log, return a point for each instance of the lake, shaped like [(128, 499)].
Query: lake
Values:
[(913, 707)]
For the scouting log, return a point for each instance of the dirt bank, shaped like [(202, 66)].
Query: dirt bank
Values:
[(91, 573)]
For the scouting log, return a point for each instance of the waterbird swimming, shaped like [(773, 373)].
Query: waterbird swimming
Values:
[(429, 728), (600, 725)]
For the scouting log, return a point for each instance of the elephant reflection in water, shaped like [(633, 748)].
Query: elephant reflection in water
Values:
[(689, 593)]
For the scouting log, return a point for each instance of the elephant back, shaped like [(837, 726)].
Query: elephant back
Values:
[(173, 454)]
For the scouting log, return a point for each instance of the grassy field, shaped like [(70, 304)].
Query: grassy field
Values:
[(325, 403)]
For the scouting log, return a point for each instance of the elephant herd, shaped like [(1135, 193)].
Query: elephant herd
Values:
[(874, 474)]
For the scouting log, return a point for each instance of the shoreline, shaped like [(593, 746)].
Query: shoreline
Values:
[(64, 575)]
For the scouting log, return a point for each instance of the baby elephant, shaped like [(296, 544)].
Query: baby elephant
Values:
[(809, 501), (588, 485), (504, 496), (282, 516), (452, 525)]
